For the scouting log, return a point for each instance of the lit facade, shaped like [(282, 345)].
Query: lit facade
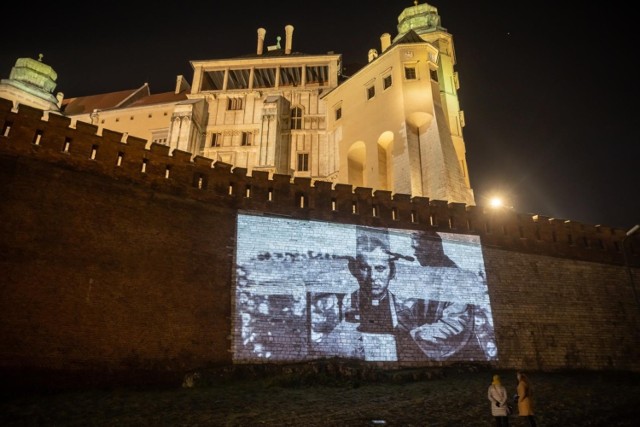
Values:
[(393, 125)]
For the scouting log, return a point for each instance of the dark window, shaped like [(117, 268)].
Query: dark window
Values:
[(371, 92), (410, 73), (386, 82), (246, 139), (234, 104), (338, 113), (216, 140), (303, 162)]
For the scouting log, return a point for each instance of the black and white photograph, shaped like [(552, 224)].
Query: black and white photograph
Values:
[(308, 290)]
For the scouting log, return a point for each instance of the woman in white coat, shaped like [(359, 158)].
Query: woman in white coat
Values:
[(497, 395)]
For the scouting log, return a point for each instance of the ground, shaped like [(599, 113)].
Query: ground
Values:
[(435, 397)]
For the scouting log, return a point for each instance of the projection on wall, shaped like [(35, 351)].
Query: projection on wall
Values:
[(308, 290)]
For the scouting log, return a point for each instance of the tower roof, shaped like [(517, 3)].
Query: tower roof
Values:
[(421, 18), (34, 77)]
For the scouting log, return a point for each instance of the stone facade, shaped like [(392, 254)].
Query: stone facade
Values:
[(394, 125), (119, 258)]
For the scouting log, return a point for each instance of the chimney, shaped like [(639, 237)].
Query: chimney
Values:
[(261, 34), (289, 35), (385, 42)]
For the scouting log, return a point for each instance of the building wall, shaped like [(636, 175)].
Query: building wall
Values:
[(407, 120), (140, 122), (116, 268), (309, 139)]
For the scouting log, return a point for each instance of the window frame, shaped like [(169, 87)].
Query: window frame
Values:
[(235, 104), (295, 119), (246, 139), (371, 91), (302, 163), (410, 71), (387, 82)]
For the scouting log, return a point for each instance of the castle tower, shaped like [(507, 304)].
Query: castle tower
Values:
[(31, 83), (403, 133), (424, 20)]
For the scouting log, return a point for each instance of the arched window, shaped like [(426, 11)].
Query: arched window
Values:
[(356, 159)]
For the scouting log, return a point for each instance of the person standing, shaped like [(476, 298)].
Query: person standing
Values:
[(497, 395), (525, 400)]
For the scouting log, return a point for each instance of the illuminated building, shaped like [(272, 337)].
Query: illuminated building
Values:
[(393, 125)]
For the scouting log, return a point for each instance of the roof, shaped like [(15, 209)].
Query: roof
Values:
[(160, 98), (121, 99), (409, 37)]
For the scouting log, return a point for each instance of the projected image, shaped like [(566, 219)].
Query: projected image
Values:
[(309, 290)]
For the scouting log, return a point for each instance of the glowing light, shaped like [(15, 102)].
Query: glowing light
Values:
[(496, 202)]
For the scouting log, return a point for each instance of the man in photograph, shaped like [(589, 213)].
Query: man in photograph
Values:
[(379, 325)]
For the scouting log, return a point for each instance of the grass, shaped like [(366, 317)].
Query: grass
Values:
[(440, 397)]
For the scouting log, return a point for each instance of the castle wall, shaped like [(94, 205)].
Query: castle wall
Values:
[(116, 257)]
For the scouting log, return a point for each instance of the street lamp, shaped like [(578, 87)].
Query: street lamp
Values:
[(497, 202), (630, 233)]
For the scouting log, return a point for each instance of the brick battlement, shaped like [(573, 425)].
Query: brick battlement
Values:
[(48, 137)]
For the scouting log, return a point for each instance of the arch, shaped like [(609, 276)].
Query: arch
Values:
[(356, 159), (385, 164)]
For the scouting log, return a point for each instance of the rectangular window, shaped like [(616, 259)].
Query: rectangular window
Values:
[(6, 128), (37, 137), (246, 139), (338, 113), (371, 92), (303, 162), (386, 82), (216, 140), (234, 104), (410, 72), (296, 118), (434, 75)]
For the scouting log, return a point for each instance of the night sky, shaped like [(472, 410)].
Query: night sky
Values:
[(549, 94)]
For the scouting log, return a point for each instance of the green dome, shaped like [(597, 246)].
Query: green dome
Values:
[(35, 73), (421, 18)]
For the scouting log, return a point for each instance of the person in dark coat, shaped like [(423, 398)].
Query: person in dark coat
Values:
[(381, 326)]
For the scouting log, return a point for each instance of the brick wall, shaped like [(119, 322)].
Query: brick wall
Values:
[(120, 258)]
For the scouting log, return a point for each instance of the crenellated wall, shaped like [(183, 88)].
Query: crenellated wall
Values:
[(118, 257)]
